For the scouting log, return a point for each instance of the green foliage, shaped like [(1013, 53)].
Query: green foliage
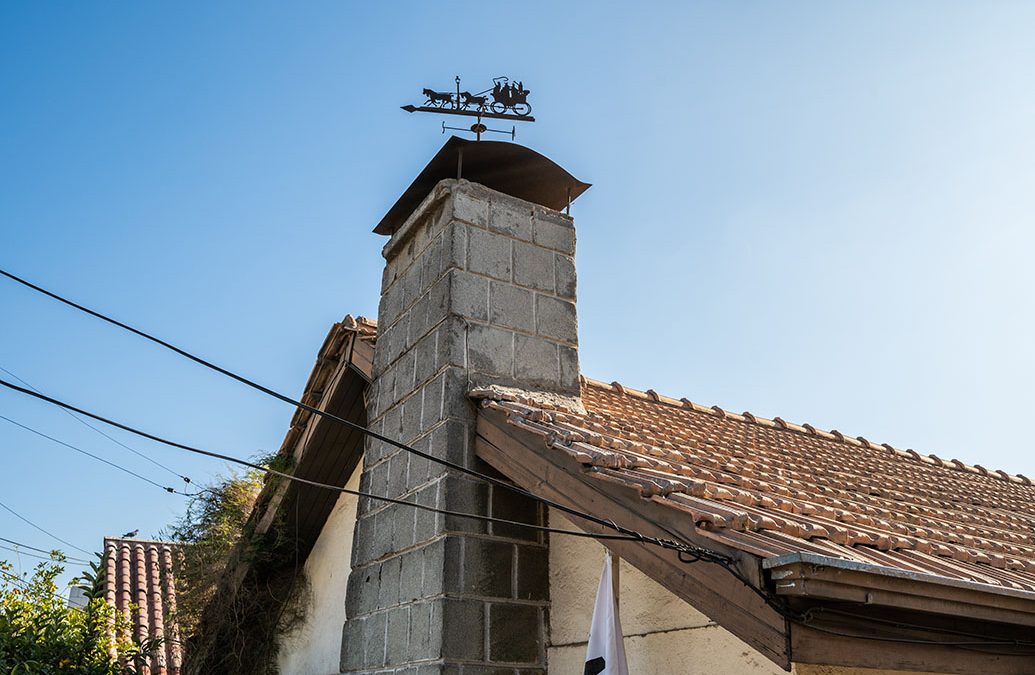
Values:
[(41, 635), (211, 527)]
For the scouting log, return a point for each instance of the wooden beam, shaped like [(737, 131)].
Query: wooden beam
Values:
[(817, 647), (522, 457)]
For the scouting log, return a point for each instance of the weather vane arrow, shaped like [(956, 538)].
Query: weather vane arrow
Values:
[(509, 101)]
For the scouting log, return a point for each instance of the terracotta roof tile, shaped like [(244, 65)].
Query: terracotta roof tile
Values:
[(141, 585), (776, 487)]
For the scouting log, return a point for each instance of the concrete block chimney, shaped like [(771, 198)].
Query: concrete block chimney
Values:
[(478, 290)]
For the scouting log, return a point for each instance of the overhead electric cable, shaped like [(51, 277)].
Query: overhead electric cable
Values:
[(40, 557), (12, 542), (287, 476), (49, 534), (185, 479), (316, 411), (298, 404), (90, 454), (687, 553)]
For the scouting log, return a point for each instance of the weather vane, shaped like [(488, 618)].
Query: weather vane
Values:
[(509, 102)]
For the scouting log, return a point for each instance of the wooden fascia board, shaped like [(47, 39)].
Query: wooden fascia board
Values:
[(814, 646), (913, 592), (524, 458)]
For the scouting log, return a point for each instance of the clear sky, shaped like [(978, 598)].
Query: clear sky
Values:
[(819, 211)]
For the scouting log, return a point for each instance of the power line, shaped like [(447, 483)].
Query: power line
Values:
[(687, 553), (186, 479), (90, 454), (49, 534), (40, 557), (327, 486), (12, 542), (693, 550)]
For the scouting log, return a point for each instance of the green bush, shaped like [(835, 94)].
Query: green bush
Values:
[(41, 635)]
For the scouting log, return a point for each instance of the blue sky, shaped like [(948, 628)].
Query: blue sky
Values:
[(818, 211)]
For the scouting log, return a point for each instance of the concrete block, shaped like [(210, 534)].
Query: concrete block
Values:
[(469, 295), (470, 208), (556, 319), (535, 361), (411, 576), (515, 633), (411, 411), (374, 640), (398, 647), (420, 631), (488, 568), (388, 582), (509, 505), (511, 307), (488, 253), (456, 253), (533, 267), (419, 465), (513, 219), (362, 592), (532, 579), (352, 645), (490, 350), (564, 276), (425, 358), (464, 495), (431, 408), (426, 523), (463, 629), (569, 360), (555, 231), (439, 300), (398, 472), (450, 441), (404, 518)]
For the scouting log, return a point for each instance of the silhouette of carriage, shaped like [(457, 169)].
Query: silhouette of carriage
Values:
[(505, 96), (512, 96)]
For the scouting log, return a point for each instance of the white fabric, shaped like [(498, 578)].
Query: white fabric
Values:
[(605, 654)]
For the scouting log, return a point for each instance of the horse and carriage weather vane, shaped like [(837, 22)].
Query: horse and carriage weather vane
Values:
[(505, 100)]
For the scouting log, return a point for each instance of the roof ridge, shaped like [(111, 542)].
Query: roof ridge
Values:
[(807, 429)]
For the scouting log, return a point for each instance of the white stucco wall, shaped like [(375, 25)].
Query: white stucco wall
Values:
[(663, 634), (314, 646)]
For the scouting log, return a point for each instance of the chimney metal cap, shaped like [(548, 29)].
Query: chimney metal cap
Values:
[(506, 167)]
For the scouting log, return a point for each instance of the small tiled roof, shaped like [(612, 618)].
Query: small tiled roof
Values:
[(141, 585), (772, 488)]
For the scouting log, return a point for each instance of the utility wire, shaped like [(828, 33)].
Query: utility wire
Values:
[(692, 550), (287, 476), (40, 557), (12, 542), (49, 534), (90, 454), (185, 479), (687, 553)]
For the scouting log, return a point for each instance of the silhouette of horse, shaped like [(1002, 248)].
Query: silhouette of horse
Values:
[(438, 97), (470, 99)]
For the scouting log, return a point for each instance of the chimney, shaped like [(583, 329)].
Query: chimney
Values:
[(478, 291)]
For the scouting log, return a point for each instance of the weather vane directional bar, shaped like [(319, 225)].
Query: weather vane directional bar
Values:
[(509, 101)]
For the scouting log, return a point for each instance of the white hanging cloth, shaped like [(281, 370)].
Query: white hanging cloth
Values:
[(605, 654)]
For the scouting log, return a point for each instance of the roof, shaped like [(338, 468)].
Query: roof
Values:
[(288, 517), (141, 585), (773, 488), (506, 167)]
